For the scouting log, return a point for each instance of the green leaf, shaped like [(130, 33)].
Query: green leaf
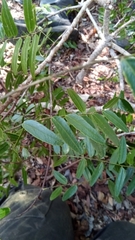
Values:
[(103, 125), (29, 14), (69, 193), (129, 174), (25, 153), (100, 150), (114, 159), (131, 157), (13, 182), (119, 155), (111, 188), (2, 50), (2, 32), (58, 162), (128, 68), (17, 118), (87, 174), (56, 193), (24, 175), (1, 177), (19, 80), (1, 134), (14, 64), (24, 54), (4, 212), (125, 106), (9, 81), (79, 103), (111, 103), (112, 117), (96, 174), (56, 149), (119, 181), (109, 174), (3, 147), (66, 134), (41, 132), (81, 166), (131, 187), (7, 20), (122, 151), (89, 147), (65, 148), (13, 137), (32, 54), (60, 178), (85, 128), (87, 119)]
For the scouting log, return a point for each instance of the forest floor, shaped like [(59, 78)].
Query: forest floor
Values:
[(92, 207)]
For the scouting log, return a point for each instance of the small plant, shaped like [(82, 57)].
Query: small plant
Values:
[(95, 142)]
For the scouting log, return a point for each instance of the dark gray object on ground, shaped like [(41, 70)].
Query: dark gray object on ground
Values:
[(45, 220), (118, 230), (58, 23)]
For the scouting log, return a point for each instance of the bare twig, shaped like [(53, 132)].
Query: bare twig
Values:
[(132, 19), (58, 12), (97, 51), (104, 36), (10, 110), (119, 49), (95, 24), (106, 22), (125, 134), (26, 86), (64, 168)]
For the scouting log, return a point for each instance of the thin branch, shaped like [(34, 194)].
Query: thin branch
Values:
[(10, 110), (119, 49), (95, 24), (105, 39), (63, 169), (105, 42), (96, 52), (125, 134), (132, 19), (55, 75), (106, 22), (58, 12)]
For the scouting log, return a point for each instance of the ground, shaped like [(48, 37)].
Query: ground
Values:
[(91, 208)]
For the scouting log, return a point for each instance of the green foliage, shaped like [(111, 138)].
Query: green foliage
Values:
[(85, 136), (29, 14), (4, 212), (81, 168), (56, 193), (41, 132), (7, 20), (77, 100), (70, 44), (69, 193), (128, 66), (14, 64)]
